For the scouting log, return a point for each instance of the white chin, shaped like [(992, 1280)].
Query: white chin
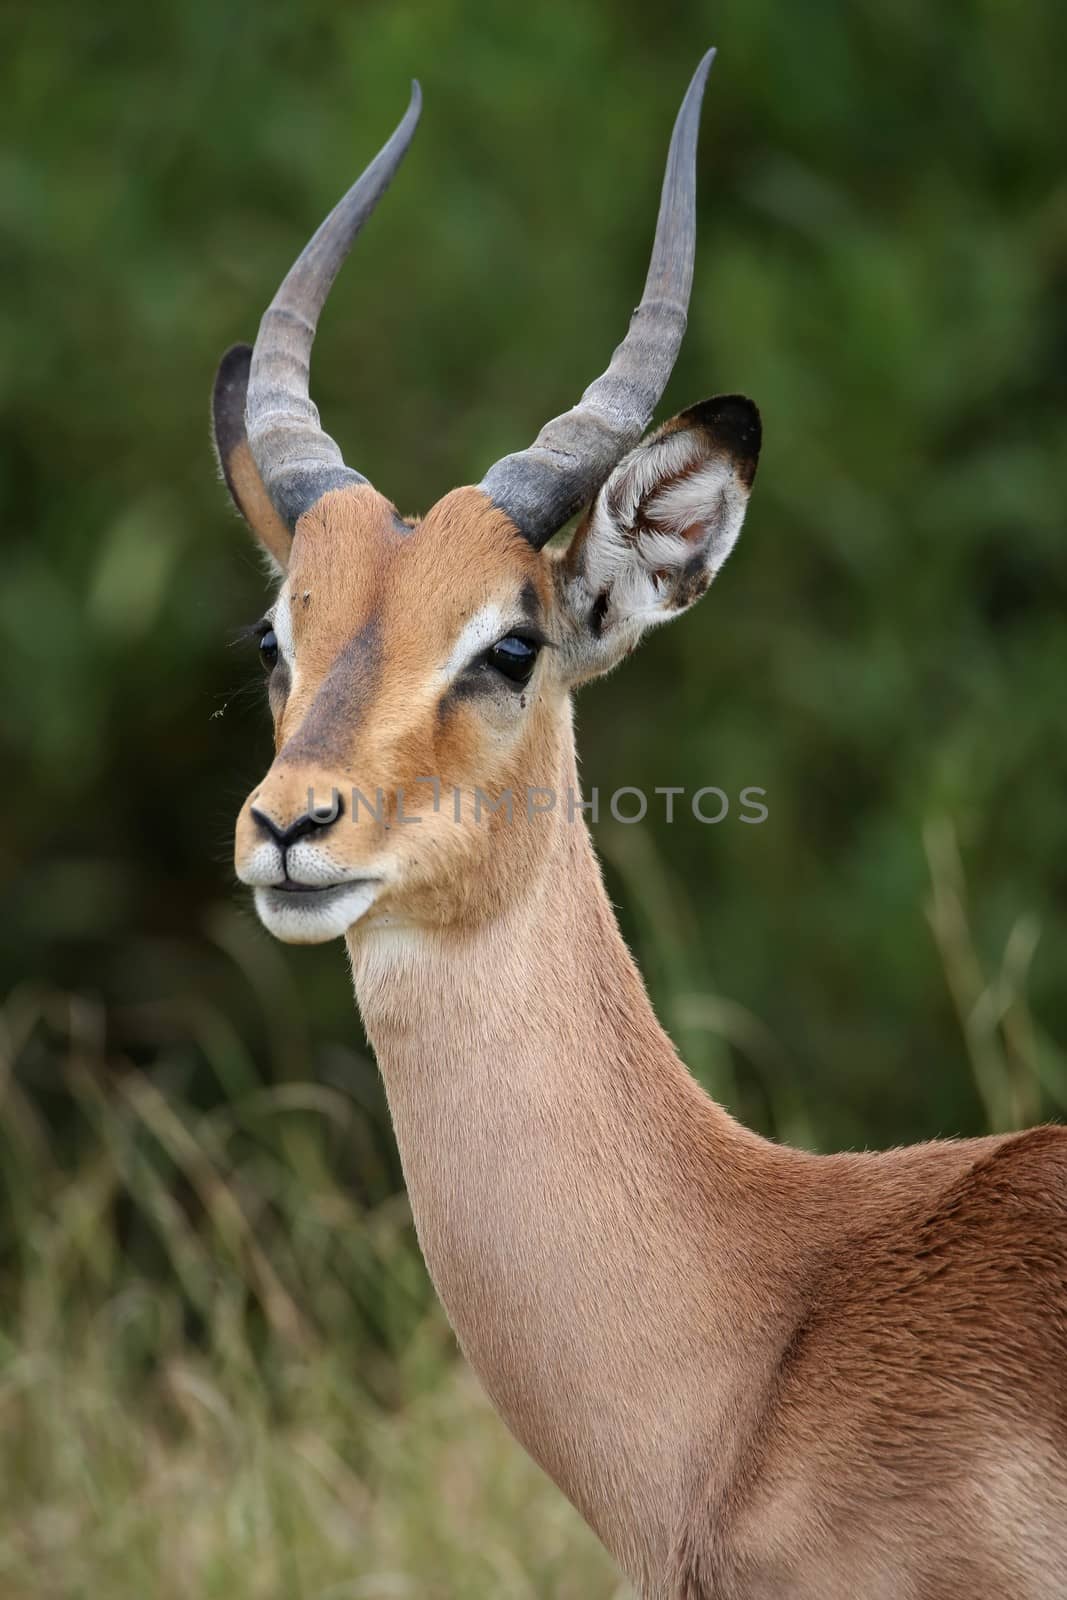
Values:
[(314, 916)]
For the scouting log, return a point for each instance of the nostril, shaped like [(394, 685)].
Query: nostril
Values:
[(268, 824), (320, 816)]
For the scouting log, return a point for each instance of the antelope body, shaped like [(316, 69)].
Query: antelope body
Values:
[(756, 1372)]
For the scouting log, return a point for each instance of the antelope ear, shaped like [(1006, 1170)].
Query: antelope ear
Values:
[(658, 531), (235, 457)]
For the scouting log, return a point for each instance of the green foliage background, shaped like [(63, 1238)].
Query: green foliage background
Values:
[(883, 267)]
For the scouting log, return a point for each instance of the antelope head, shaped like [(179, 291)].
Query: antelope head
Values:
[(423, 667)]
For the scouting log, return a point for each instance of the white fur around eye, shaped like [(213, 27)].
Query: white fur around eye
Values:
[(281, 620), (478, 633), (282, 623)]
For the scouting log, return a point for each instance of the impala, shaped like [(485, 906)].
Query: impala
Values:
[(755, 1371)]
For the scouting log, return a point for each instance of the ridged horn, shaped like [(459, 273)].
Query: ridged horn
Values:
[(297, 460), (542, 486)]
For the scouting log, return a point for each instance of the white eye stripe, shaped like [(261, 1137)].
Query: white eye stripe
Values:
[(281, 620), (282, 623), (477, 635)]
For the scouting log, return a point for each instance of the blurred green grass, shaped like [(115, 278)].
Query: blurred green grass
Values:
[(221, 1374), (220, 1361)]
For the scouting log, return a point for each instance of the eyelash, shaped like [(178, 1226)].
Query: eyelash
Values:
[(255, 634), (252, 632)]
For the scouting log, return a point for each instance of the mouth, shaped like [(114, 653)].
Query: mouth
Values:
[(301, 913)]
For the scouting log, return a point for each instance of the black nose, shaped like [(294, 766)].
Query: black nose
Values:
[(310, 822)]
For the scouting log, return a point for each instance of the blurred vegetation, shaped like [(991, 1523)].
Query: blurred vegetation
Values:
[(221, 1369)]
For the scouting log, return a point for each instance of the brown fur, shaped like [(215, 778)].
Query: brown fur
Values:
[(757, 1372)]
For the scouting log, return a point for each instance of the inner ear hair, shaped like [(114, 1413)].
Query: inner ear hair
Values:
[(667, 489), (661, 490), (658, 531), (235, 456)]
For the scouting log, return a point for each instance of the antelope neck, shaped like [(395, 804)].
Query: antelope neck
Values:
[(585, 1211)]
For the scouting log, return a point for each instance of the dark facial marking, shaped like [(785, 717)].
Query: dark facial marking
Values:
[(474, 683), (597, 612), (467, 686), (530, 603), (340, 701)]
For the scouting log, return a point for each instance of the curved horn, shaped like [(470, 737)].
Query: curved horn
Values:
[(541, 487), (297, 461)]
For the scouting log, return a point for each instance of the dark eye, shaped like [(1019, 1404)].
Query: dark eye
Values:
[(515, 657), (268, 648)]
